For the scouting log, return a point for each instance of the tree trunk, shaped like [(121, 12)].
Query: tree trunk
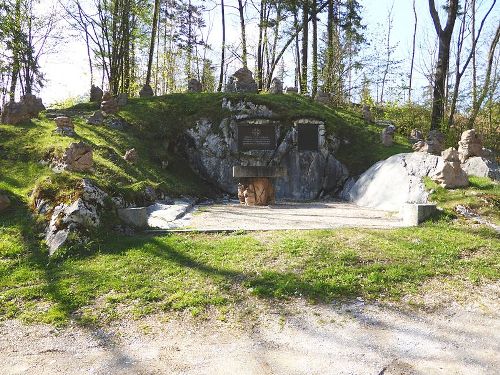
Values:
[(243, 35), (444, 36), (223, 47), (152, 44), (305, 46), (314, 49), (260, 60), (413, 51)]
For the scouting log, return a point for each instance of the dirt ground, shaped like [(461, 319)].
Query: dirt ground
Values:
[(446, 337), (327, 215)]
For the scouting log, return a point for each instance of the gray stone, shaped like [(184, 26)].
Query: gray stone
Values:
[(97, 118), (415, 136), (367, 114), (136, 217), (450, 176), (81, 214), (390, 183), (450, 154), (78, 157), (433, 145), (4, 201), (212, 150), (131, 156), (194, 85), (416, 213), (33, 105), (96, 94), (165, 216), (292, 90), (146, 92), (16, 112), (65, 126), (322, 97), (276, 86), (482, 167), (109, 104)]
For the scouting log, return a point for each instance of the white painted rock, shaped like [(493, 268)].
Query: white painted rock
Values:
[(390, 183)]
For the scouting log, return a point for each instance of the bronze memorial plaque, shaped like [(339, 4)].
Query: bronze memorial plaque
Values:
[(307, 137), (256, 137)]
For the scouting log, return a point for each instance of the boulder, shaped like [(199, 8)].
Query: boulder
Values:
[(75, 217), (122, 99), (387, 135), (367, 114), (470, 144), (322, 97), (97, 118), (131, 156), (16, 112), (109, 104), (96, 94), (241, 81), (276, 86), (78, 157), (212, 150), (482, 167), (4, 201), (65, 126), (450, 176), (390, 183), (194, 85), (292, 90), (146, 92), (136, 217)]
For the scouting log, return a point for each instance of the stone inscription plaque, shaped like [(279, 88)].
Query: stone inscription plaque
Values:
[(256, 137), (307, 137)]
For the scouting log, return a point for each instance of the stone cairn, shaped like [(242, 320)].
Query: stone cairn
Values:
[(65, 126), (276, 86), (470, 144), (97, 118), (241, 81), (27, 108), (256, 192), (433, 145), (194, 85), (109, 104), (387, 135), (146, 91), (96, 94), (452, 175), (131, 156)]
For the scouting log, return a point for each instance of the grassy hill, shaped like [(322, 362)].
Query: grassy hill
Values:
[(114, 275)]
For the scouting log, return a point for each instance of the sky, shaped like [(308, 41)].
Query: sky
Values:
[(67, 73)]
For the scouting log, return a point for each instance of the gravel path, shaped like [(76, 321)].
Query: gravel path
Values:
[(291, 338), (234, 216)]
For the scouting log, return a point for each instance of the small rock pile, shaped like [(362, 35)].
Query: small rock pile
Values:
[(452, 175), (146, 92), (241, 81), (65, 126), (96, 94), (109, 104), (194, 85), (387, 135), (276, 86)]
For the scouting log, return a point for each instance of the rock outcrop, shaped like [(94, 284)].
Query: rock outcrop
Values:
[(75, 217), (212, 150), (78, 157), (470, 144), (390, 183)]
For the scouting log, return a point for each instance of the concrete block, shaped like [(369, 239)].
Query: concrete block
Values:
[(416, 213), (136, 217)]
